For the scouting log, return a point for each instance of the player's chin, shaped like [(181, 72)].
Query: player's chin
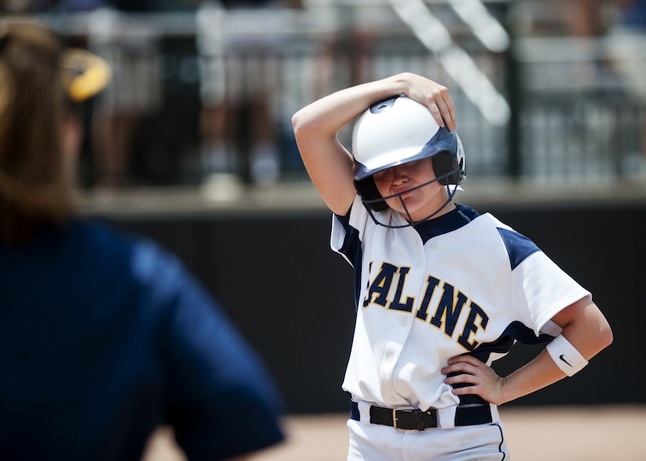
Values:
[(406, 201)]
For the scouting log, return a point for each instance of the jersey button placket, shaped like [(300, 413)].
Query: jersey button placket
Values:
[(401, 329), (386, 372)]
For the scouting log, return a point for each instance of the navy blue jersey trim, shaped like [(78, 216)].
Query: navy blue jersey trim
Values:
[(515, 331), (518, 246), (502, 442), (449, 222), (352, 250)]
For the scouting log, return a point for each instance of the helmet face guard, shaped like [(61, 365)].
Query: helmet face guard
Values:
[(379, 204), (399, 131)]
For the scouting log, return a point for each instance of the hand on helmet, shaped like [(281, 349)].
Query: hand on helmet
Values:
[(434, 96)]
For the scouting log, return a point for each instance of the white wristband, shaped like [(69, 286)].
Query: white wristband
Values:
[(565, 355)]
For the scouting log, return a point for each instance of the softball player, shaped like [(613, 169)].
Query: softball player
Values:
[(440, 291)]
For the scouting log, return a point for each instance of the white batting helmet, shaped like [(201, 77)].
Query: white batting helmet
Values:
[(400, 130)]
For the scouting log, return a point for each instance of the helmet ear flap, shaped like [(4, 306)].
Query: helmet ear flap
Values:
[(446, 167), (367, 190)]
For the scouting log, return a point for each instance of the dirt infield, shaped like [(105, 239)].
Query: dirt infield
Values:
[(603, 433)]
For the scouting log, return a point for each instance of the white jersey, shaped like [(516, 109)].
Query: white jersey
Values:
[(459, 283)]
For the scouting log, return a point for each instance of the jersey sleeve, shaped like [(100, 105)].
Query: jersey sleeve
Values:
[(541, 289), (345, 237), (220, 399)]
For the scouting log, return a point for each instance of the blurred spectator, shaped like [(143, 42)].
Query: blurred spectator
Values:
[(627, 50), (103, 336), (239, 83), (584, 18), (130, 45), (15, 6), (586, 21), (616, 30), (628, 43)]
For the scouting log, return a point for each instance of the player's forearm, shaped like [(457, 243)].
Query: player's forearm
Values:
[(586, 330), (328, 115), (533, 376)]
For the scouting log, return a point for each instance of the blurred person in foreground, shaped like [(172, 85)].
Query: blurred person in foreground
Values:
[(103, 336)]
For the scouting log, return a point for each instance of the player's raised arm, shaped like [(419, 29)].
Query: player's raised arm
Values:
[(316, 126)]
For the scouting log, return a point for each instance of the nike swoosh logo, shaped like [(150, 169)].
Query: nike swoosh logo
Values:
[(562, 357)]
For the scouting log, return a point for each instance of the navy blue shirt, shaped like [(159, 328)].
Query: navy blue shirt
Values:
[(103, 337)]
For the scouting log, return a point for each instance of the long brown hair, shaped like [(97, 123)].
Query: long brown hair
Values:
[(33, 188)]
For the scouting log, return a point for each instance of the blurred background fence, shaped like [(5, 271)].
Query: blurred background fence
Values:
[(545, 89)]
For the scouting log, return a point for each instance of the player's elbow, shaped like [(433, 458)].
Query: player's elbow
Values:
[(306, 123), (602, 334), (299, 120), (606, 336)]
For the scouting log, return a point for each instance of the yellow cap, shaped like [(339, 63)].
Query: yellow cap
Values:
[(84, 74)]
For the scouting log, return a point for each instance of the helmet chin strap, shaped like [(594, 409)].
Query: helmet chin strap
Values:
[(409, 218)]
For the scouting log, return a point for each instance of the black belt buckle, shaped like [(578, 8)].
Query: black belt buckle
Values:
[(416, 419)]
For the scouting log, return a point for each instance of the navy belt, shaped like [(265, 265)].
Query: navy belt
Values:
[(418, 420)]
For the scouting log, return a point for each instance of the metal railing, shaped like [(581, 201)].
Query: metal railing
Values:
[(569, 115)]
